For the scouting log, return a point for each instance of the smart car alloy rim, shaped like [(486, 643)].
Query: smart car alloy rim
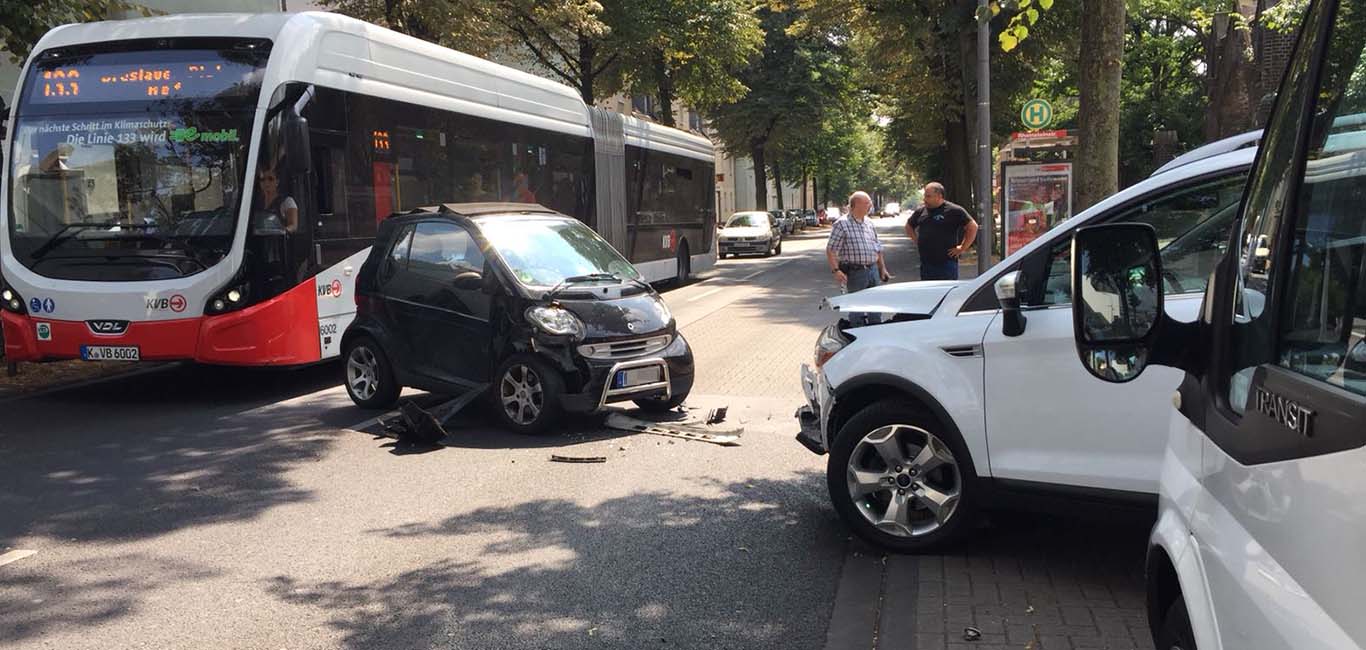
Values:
[(904, 480), (522, 394), (361, 370)]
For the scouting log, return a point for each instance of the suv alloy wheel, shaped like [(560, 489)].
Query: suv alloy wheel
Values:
[(900, 480)]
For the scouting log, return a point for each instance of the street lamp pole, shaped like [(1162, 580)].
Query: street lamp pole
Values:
[(984, 198)]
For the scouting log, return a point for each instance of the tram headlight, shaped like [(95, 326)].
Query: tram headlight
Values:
[(10, 300), (231, 298)]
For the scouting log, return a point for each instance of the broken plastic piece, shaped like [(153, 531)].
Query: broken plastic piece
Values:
[(971, 634), (716, 415), (556, 458)]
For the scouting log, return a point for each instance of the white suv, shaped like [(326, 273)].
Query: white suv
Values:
[(970, 392)]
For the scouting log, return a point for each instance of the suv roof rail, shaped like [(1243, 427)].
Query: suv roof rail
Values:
[(1232, 143)]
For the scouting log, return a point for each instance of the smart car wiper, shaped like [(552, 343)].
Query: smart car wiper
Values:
[(574, 279)]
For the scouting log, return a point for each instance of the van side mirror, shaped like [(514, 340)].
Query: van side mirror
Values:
[(1008, 293), (1117, 293)]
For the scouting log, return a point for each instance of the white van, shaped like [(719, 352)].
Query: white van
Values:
[(1261, 534)]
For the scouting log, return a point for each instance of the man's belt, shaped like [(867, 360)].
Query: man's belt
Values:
[(849, 266)]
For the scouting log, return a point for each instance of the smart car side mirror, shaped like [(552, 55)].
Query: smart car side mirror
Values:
[(1117, 293), (1008, 293), (469, 281)]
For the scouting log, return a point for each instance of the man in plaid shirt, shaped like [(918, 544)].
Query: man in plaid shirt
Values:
[(855, 254)]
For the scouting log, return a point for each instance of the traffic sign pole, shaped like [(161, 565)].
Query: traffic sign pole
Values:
[(984, 201)]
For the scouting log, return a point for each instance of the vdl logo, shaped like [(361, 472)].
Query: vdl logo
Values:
[(175, 303)]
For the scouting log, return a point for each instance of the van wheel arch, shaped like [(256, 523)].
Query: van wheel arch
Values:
[(1163, 586)]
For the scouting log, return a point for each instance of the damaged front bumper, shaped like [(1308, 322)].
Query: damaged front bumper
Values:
[(814, 417)]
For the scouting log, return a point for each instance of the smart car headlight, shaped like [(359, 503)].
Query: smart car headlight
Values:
[(555, 320)]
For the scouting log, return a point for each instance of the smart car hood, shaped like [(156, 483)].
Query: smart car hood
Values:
[(628, 316), (909, 298)]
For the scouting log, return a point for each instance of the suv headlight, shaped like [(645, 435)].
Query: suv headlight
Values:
[(555, 320), (831, 341)]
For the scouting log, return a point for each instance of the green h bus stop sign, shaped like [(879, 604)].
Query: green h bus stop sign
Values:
[(1037, 114)]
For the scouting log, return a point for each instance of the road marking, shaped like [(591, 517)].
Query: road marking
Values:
[(15, 556), (764, 270), (705, 294)]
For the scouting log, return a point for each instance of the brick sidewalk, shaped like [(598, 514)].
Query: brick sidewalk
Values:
[(1033, 583)]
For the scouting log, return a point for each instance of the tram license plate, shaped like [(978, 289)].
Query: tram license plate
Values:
[(636, 377), (110, 353)]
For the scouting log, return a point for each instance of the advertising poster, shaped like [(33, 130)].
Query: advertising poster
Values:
[(1038, 196)]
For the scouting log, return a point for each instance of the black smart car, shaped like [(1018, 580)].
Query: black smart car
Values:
[(517, 300)]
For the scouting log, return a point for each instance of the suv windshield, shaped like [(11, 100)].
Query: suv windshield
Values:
[(747, 220), (129, 165), (543, 252)]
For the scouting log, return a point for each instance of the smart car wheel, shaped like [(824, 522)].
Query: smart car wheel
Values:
[(1176, 633), (527, 395), (901, 480), (369, 376)]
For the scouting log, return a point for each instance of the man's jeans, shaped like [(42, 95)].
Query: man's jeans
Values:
[(860, 279), (943, 271)]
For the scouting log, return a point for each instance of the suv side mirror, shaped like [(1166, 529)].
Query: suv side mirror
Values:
[(1007, 292), (1117, 291)]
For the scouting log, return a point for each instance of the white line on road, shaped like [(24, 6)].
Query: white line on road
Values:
[(764, 270), (15, 556), (705, 294)]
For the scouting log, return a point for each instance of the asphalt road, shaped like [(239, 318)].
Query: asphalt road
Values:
[(227, 508)]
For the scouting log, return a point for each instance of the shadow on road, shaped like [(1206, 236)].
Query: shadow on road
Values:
[(548, 573)]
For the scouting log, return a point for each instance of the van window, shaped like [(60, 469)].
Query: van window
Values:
[(1322, 319)]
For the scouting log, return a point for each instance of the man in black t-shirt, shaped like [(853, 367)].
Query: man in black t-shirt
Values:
[(942, 231)]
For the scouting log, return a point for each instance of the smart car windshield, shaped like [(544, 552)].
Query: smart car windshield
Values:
[(544, 252)]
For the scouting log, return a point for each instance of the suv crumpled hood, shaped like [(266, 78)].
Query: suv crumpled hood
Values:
[(910, 298)]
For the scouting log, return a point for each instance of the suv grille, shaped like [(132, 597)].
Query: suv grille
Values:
[(625, 349)]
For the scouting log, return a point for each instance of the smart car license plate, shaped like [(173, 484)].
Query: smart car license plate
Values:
[(110, 353), (637, 377)]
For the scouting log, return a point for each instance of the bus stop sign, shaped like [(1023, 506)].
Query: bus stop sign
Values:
[(1037, 114)]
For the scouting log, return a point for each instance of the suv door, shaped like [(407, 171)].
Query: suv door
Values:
[(1048, 420), (1282, 402), (451, 333)]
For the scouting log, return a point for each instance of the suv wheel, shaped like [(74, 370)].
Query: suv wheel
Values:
[(1176, 633), (901, 480), (526, 395), (369, 376)]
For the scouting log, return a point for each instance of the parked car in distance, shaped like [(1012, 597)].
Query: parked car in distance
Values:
[(785, 224), (1262, 512), (798, 221), (750, 233), (892, 209), (832, 214), (810, 219), (970, 395), (519, 301)]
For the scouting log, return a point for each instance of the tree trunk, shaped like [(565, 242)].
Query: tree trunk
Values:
[(957, 162), (587, 54), (756, 155), (1231, 78), (778, 182), (804, 186), (967, 49), (665, 112), (1102, 49)]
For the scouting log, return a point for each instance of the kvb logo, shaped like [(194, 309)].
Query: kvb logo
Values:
[(175, 303), (332, 290)]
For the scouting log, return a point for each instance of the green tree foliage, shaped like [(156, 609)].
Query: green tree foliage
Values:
[(471, 26), (796, 84), (689, 50), (25, 21)]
